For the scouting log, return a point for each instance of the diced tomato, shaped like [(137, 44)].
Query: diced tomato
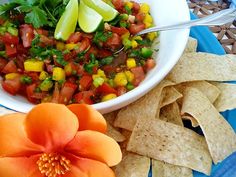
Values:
[(74, 38), (67, 92), (72, 79), (42, 31), (56, 94), (11, 50), (34, 76), (135, 28), (46, 40), (86, 82), (21, 49), (3, 63), (108, 69), (139, 75), (49, 68), (86, 35), (121, 90), (114, 42), (12, 86), (103, 53), (7, 38), (10, 67), (136, 6), (85, 44), (120, 31), (84, 97), (119, 4), (20, 62), (106, 89), (27, 34), (30, 91), (140, 17), (150, 64)]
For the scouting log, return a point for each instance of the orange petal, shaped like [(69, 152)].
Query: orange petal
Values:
[(13, 139), (19, 166), (89, 118), (95, 145), (51, 125), (83, 167)]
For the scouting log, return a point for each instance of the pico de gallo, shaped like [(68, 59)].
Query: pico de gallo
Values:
[(82, 69)]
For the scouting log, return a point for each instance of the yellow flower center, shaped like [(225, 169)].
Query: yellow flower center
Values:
[(53, 164)]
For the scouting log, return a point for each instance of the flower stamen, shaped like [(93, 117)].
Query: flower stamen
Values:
[(53, 164)]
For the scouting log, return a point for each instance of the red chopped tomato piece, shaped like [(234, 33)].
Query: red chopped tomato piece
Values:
[(46, 40), (42, 31), (135, 28), (140, 17), (7, 38), (103, 53), (86, 82), (74, 38), (139, 75), (136, 6), (11, 50), (56, 94), (30, 91), (3, 63), (85, 44), (114, 41), (67, 92), (121, 90), (150, 64), (120, 31), (10, 67), (12, 86), (34, 76), (119, 4), (106, 89), (84, 97), (21, 49), (27, 34)]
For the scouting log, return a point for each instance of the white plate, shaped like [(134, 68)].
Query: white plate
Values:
[(172, 44)]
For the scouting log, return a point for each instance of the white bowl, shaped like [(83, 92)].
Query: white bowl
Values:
[(172, 44)]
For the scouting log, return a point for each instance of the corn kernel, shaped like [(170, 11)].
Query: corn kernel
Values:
[(33, 65), (147, 24), (148, 18), (71, 46), (152, 36), (58, 74), (144, 8), (129, 4), (125, 36), (60, 46), (101, 73), (108, 97), (129, 76), (43, 75), (139, 38), (120, 79), (134, 44), (98, 81), (130, 63), (11, 76), (68, 69)]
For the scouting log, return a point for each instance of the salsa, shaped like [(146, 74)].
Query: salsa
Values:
[(82, 69)]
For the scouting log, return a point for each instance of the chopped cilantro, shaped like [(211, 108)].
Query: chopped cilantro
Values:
[(101, 37), (93, 62), (128, 10), (107, 60), (36, 40)]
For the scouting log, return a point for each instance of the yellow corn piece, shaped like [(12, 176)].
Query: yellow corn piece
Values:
[(137, 38), (130, 63), (129, 4), (147, 24), (101, 73), (144, 8), (60, 46), (46, 85), (108, 97), (125, 36), (33, 65), (58, 74), (68, 69), (70, 46), (148, 18), (11, 76), (43, 75), (129, 76), (120, 79), (134, 44), (152, 36)]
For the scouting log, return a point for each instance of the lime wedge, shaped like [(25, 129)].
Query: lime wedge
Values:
[(106, 11), (89, 20), (68, 21)]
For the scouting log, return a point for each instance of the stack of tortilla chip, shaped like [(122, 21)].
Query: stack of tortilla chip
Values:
[(151, 130)]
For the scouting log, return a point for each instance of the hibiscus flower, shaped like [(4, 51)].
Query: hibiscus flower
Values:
[(53, 140)]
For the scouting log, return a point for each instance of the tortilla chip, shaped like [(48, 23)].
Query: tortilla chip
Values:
[(209, 90), (219, 135), (191, 45), (204, 66), (171, 96), (133, 165), (170, 143), (171, 113), (192, 119), (145, 108), (110, 117), (114, 133), (227, 98), (4, 111), (163, 169)]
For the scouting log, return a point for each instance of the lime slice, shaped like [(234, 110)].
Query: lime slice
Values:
[(106, 11), (89, 20), (68, 21)]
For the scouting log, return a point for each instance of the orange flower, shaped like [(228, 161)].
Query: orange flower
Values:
[(54, 141)]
